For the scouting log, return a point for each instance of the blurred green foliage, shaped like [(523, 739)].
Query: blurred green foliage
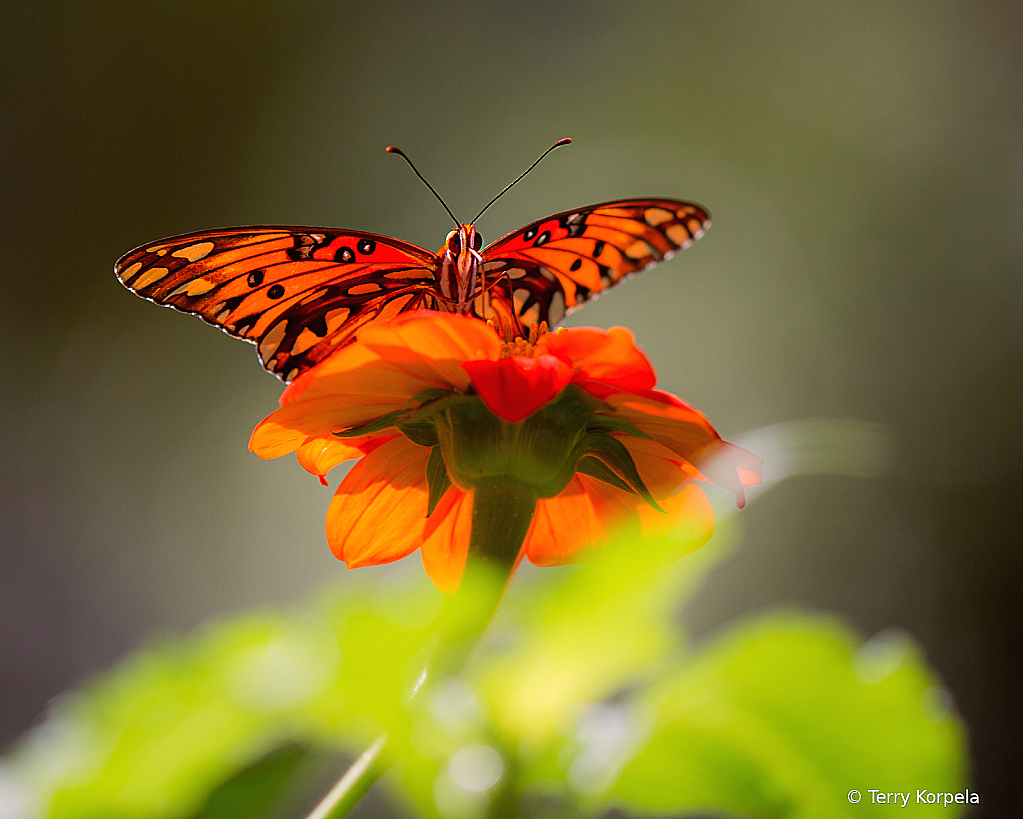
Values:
[(580, 697)]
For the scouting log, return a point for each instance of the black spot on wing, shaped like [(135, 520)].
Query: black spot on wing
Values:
[(305, 244), (244, 325), (319, 325), (574, 223)]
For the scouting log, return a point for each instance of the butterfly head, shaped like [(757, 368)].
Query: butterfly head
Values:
[(464, 244)]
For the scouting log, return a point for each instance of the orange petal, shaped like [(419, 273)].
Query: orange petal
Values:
[(687, 513), (321, 454), (589, 512), (517, 386), (346, 359), (377, 384), (434, 345), (379, 511), (576, 520), (380, 373), (733, 468), (686, 432), (662, 471), (610, 356), (271, 439), (446, 542), (287, 428), (680, 428)]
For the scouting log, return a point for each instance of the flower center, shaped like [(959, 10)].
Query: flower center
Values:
[(524, 346)]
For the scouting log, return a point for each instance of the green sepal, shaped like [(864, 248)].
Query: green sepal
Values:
[(412, 423), (437, 480), (383, 422), (613, 454), (426, 413), (423, 433), (595, 468), (611, 423), (430, 394), (541, 450)]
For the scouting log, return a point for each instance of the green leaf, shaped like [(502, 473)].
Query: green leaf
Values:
[(253, 791), (573, 640), (782, 718), (162, 730)]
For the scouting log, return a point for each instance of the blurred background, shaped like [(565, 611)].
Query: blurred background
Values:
[(863, 163)]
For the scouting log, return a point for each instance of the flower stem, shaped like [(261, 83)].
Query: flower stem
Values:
[(502, 512), (355, 782)]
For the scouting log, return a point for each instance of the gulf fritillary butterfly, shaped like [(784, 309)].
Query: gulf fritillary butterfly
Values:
[(299, 293)]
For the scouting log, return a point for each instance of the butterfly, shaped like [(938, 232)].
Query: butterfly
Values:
[(300, 293)]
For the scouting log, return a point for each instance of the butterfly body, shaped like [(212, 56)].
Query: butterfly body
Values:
[(458, 264), (299, 293)]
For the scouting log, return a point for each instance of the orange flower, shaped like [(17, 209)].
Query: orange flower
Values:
[(435, 405)]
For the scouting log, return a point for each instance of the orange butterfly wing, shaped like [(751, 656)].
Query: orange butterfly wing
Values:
[(555, 265), (297, 293)]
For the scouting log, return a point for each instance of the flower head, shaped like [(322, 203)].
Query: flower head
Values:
[(437, 406)]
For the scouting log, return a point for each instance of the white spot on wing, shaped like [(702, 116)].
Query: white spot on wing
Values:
[(679, 235), (131, 271), (657, 216), (314, 296), (335, 318), (557, 309), (639, 250), (272, 340), (364, 289), (196, 287), (200, 250), (151, 276)]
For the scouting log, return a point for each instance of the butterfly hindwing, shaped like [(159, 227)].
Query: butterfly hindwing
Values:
[(298, 293), (556, 264)]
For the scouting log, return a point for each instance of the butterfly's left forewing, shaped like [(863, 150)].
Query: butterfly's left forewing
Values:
[(298, 293), (556, 264)]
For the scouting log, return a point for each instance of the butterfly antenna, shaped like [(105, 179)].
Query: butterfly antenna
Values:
[(392, 150), (557, 144)]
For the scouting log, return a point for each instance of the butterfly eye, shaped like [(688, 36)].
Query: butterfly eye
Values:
[(477, 241), (454, 242)]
